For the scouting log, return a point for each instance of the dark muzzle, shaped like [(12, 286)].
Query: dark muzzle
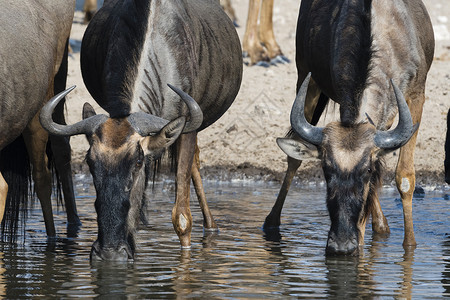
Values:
[(341, 245), (122, 252)]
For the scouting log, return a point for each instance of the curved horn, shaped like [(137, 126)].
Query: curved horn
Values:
[(85, 126), (195, 111), (306, 131), (401, 134)]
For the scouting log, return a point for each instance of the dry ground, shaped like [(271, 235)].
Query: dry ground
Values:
[(242, 143)]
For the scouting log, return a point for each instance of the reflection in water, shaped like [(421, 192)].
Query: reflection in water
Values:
[(446, 273), (112, 280), (239, 261), (405, 290), (182, 280), (348, 284), (2, 278)]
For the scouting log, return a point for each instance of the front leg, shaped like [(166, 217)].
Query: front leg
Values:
[(379, 221), (251, 44), (267, 36), (405, 176), (273, 219), (406, 180), (181, 212), (36, 142), (208, 219), (62, 158)]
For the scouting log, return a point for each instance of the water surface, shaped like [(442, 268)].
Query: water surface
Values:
[(239, 261)]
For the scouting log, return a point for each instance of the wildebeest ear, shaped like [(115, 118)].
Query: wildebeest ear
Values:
[(167, 135), (88, 111), (298, 150)]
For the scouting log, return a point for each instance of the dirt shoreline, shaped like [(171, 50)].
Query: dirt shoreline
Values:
[(241, 144), (311, 175)]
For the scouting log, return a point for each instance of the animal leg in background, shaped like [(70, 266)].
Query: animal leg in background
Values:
[(250, 44), (208, 219), (89, 8), (405, 176), (259, 42), (228, 8), (266, 34), (36, 142), (181, 212)]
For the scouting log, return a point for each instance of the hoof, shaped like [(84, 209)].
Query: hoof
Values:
[(419, 192), (264, 64), (280, 59), (271, 222), (74, 223), (73, 228), (411, 247), (270, 227), (272, 234)]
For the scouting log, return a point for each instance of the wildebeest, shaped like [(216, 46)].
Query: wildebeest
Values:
[(371, 57), (130, 51), (33, 57)]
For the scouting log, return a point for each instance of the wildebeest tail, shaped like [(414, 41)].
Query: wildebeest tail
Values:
[(16, 169)]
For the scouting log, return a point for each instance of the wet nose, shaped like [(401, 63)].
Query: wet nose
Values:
[(120, 253), (348, 246)]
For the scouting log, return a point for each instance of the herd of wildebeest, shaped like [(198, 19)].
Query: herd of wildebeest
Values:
[(165, 70)]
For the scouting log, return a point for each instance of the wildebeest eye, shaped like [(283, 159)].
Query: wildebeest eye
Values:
[(139, 163), (369, 170)]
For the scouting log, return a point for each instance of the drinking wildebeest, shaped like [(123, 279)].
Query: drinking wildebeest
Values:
[(130, 52), (371, 57), (33, 57)]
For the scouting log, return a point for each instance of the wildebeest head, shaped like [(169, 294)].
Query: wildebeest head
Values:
[(350, 157), (120, 149)]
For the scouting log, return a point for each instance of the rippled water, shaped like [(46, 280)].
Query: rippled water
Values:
[(239, 261)]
